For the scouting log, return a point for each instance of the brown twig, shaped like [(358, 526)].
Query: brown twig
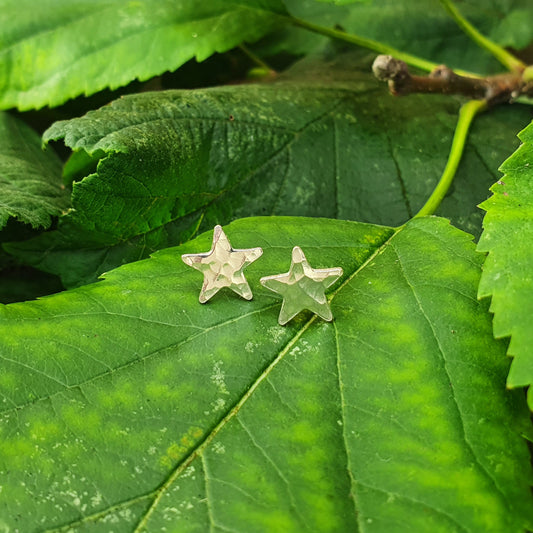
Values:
[(503, 88)]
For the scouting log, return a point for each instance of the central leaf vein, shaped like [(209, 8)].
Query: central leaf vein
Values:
[(449, 378)]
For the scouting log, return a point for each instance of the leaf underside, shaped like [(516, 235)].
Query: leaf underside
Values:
[(508, 269), (312, 144), (31, 191), (128, 405), (55, 50)]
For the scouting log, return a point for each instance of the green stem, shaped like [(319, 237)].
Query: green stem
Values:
[(466, 116), (527, 75), (507, 59), (255, 58), (366, 43), (376, 46)]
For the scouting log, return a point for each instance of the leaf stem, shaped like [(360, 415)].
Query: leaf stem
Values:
[(527, 75), (376, 46), (255, 58), (507, 59), (466, 116)]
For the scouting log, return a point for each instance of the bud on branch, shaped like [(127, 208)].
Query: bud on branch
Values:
[(503, 88)]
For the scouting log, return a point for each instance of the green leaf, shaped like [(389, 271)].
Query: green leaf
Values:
[(419, 27), (30, 179), (52, 50), (508, 270), (19, 282), (23, 283), (313, 144), (341, 2), (514, 29), (128, 405)]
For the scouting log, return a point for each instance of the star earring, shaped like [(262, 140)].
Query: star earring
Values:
[(223, 266), (302, 287)]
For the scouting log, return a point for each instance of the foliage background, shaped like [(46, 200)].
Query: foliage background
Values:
[(125, 404)]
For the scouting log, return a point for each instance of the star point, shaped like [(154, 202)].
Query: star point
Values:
[(302, 287), (223, 267)]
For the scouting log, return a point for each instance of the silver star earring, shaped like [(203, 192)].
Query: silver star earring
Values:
[(223, 266), (303, 287)]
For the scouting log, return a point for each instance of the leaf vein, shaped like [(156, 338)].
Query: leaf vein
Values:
[(275, 467), (223, 422), (482, 468), (130, 363), (343, 406), (395, 495)]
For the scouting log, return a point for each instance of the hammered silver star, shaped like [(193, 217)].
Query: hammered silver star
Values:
[(223, 266), (302, 287)]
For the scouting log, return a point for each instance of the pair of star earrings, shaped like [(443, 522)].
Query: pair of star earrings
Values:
[(302, 287)]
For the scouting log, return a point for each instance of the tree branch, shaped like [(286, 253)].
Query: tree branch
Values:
[(503, 88)]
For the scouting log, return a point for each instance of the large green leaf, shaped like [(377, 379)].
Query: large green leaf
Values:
[(54, 50), (420, 27), (127, 405), (30, 180), (508, 270), (341, 2), (328, 141)]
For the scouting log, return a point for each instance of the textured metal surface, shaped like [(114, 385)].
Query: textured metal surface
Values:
[(303, 287), (223, 266)]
